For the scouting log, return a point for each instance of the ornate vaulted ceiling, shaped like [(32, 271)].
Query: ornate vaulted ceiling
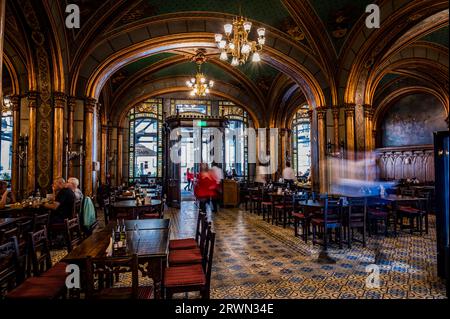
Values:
[(316, 49)]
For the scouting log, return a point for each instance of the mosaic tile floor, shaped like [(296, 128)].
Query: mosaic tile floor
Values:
[(254, 259)]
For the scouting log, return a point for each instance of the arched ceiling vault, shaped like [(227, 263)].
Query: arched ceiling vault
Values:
[(280, 52), (367, 47), (177, 85)]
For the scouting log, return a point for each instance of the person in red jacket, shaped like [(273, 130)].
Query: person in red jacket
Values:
[(189, 179), (205, 187)]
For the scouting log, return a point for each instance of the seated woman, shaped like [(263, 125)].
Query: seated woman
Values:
[(6, 196)]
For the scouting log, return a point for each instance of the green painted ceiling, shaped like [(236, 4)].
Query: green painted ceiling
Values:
[(339, 16), (439, 36), (145, 62), (387, 78), (271, 12)]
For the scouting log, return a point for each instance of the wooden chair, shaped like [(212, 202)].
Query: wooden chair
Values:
[(100, 274), (11, 274), (300, 217), (356, 219), (194, 277), (416, 214), (283, 209), (266, 204), (41, 221), (190, 243), (48, 282), (377, 215), (74, 235), (106, 207), (7, 234), (183, 257), (329, 220)]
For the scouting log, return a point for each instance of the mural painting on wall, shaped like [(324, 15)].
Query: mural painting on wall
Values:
[(412, 121)]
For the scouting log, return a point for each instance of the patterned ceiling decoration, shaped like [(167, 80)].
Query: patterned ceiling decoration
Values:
[(339, 16)]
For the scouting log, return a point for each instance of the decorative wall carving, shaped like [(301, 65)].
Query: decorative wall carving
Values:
[(406, 162)]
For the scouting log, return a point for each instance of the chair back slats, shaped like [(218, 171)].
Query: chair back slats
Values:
[(41, 221), (40, 252), (332, 212), (101, 272), (10, 270), (7, 234), (74, 236), (201, 222), (357, 210), (209, 254)]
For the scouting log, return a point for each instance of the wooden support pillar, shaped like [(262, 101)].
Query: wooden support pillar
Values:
[(71, 102), (31, 156), (350, 130), (89, 108), (368, 123), (2, 37), (119, 155), (322, 143), (58, 133), (15, 108), (314, 161), (336, 112)]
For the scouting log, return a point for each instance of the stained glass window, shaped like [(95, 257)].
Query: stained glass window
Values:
[(190, 107), (301, 142), (236, 143), (6, 134), (146, 146)]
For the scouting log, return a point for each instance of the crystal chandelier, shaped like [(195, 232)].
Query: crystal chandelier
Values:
[(236, 42), (199, 85)]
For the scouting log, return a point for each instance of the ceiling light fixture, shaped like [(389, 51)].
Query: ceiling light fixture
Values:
[(199, 85), (236, 42)]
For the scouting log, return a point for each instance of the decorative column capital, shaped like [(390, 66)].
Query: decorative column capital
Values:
[(89, 105), (60, 100), (15, 105), (321, 112), (71, 102), (368, 111), (349, 109), (336, 111), (32, 99)]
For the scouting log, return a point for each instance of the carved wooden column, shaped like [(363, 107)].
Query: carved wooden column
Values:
[(71, 102), (15, 107), (119, 155), (104, 156), (31, 160), (2, 37), (89, 108), (58, 133), (368, 123), (322, 143), (336, 112), (350, 130), (314, 162)]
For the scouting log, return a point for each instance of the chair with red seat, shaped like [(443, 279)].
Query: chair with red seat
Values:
[(195, 255), (154, 212), (283, 209), (100, 274), (48, 282), (378, 215), (194, 277), (300, 217), (266, 204), (415, 213), (190, 243)]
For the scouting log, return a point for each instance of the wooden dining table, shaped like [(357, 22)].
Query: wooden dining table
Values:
[(150, 243), (132, 208)]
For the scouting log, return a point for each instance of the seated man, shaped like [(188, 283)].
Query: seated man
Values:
[(64, 200), (6, 196)]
